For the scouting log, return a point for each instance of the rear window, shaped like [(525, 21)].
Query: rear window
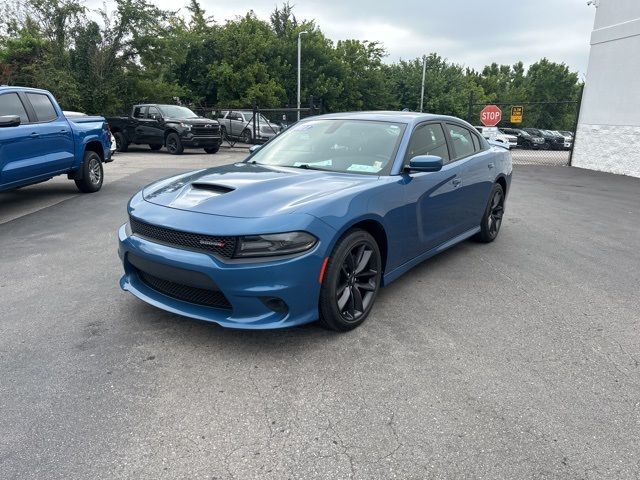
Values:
[(45, 111), (10, 104)]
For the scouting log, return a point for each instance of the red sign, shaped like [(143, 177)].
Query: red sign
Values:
[(490, 116)]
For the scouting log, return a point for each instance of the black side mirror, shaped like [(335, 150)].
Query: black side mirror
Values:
[(425, 163), (9, 121)]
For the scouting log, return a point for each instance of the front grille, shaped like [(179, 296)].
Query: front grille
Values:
[(206, 131), (198, 296), (223, 246)]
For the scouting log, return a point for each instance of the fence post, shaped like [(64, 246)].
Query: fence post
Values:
[(575, 125), (255, 115)]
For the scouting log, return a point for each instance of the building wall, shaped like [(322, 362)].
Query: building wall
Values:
[(608, 136)]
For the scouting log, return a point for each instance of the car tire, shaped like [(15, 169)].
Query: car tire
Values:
[(492, 218), (174, 145), (91, 174), (212, 149), (121, 142), (246, 136), (155, 146), (351, 282)]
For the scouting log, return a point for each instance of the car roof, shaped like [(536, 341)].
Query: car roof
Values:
[(4, 88), (387, 116)]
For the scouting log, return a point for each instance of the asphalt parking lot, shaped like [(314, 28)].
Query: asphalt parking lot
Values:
[(518, 359)]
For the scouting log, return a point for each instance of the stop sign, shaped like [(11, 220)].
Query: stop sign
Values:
[(490, 115)]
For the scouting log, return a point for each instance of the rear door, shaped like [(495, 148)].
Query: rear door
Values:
[(478, 173), (52, 135), (16, 145)]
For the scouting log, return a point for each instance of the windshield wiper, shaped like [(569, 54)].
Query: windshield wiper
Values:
[(306, 166)]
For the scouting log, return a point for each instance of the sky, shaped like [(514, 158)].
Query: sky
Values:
[(469, 32)]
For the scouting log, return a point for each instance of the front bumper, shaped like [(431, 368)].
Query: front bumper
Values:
[(247, 285), (196, 141)]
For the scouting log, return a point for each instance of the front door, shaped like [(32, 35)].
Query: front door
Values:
[(16, 145)]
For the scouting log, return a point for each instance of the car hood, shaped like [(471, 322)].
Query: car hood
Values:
[(251, 191), (193, 121)]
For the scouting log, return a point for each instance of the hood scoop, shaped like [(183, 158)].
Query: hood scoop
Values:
[(196, 193), (210, 187)]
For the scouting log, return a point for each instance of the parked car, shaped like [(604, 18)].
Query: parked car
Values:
[(313, 223), (112, 140), (551, 141), (37, 142), (238, 124), (494, 134), (173, 126), (525, 140), (567, 139)]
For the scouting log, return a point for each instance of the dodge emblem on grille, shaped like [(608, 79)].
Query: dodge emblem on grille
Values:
[(212, 243)]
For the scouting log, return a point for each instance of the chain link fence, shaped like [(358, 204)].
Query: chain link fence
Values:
[(538, 133)]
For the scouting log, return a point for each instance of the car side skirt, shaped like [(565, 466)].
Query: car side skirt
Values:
[(405, 267)]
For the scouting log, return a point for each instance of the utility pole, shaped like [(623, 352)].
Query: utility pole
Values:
[(299, 61), (424, 71)]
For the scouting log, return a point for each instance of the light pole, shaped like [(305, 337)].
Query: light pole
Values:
[(299, 59), (424, 71)]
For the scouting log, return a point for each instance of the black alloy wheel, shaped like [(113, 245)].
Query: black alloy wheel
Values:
[(174, 145), (492, 219), (91, 173), (351, 282), (121, 142)]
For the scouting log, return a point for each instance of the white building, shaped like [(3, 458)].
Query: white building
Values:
[(608, 136)]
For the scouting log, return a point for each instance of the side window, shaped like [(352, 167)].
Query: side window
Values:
[(153, 113), (45, 112), (476, 143), (10, 104), (139, 112), (462, 141), (428, 139)]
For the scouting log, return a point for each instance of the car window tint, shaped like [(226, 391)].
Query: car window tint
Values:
[(45, 111), (10, 104), (153, 113), (462, 140), (138, 112), (476, 143), (428, 139)]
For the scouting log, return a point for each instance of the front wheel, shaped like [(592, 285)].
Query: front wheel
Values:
[(212, 149), (121, 142), (492, 219), (174, 145), (91, 173), (246, 136), (351, 282)]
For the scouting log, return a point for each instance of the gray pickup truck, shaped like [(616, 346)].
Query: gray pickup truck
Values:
[(238, 124)]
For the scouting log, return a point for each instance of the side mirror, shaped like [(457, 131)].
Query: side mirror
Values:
[(9, 121), (425, 163), (254, 148)]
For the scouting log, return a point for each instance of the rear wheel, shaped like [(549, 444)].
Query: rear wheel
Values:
[(492, 219), (174, 145), (155, 146), (121, 142), (91, 173), (351, 282)]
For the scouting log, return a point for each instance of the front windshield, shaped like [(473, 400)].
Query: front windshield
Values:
[(354, 146), (175, 111)]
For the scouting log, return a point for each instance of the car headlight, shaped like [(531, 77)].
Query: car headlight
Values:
[(274, 244), (186, 126)]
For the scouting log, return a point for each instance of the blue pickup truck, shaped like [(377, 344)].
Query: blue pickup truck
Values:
[(37, 142)]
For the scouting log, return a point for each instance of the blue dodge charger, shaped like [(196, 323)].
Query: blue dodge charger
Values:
[(312, 224)]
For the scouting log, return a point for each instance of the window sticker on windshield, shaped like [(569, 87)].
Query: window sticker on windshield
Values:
[(393, 130), (377, 165), (363, 168), (324, 163), (303, 127)]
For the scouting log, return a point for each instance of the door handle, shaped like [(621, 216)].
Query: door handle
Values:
[(456, 182), (490, 165), (64, 130), (34, 135)]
